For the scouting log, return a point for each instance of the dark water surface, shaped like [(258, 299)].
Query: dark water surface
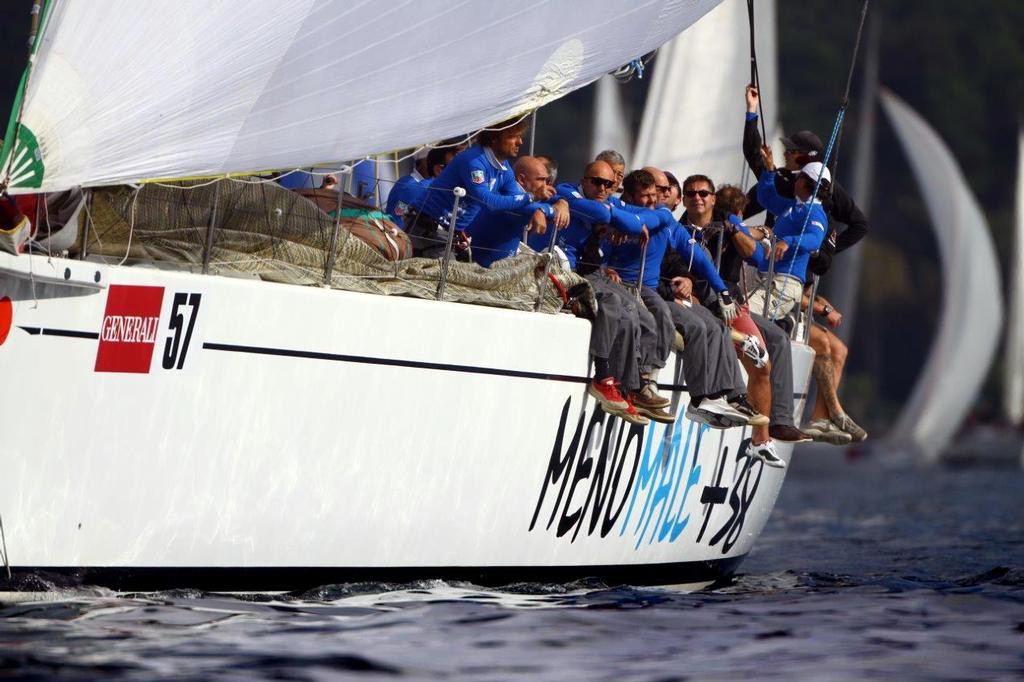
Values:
[(862, 573)]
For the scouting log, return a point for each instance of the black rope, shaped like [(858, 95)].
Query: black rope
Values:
[(755, 78), (849, 82)]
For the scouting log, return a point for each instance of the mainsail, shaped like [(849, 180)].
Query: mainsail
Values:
[(971, 317), (693, 119), (135, 91), (1013, 382)]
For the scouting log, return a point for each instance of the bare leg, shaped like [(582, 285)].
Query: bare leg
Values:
[(759, 392), (824, 372)]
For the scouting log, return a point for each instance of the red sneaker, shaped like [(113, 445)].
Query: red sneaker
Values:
[(606, 392)]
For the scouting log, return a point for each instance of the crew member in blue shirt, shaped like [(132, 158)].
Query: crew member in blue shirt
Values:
[(717, 393), (410, 190), (483, 171), (498, 234), (800, 228), (622, 326)]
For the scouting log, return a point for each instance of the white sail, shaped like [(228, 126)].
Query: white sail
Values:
[(693, 119), (1013, 383), (971, 317), (611, 130), (142, 90)]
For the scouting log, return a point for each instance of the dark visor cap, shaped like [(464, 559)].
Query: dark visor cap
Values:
[(805, 142)]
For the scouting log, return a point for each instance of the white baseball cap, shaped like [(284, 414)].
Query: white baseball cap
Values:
[(816, 168)]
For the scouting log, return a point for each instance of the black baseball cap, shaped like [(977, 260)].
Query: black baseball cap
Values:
[(806, 143)]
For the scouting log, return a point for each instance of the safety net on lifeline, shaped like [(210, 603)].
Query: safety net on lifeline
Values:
[(264, 230)]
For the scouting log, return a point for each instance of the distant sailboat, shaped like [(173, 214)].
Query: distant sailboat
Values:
[(693, 119), (971, 317), (1013, 383)]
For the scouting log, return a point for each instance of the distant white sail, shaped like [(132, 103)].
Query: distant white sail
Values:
[(611, 131), (127, 91), (693, 119), (1013, 382), (971, 318)]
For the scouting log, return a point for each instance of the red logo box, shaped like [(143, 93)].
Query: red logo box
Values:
[(129, 329)]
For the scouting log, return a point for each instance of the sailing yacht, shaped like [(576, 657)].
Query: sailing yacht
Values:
[(199, 411), (1001, 443), (971, 319)]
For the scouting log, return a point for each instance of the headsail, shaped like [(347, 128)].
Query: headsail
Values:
[(969, 327), (143, 90), (1013, 383), (693, 119)]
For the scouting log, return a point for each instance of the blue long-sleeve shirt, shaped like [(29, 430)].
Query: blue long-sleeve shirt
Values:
[(408, 191), (791, 215), (584, 215), (489, 183), (666, 232), (496, 234)]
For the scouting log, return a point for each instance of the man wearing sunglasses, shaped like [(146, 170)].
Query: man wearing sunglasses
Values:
[(717, 393), (699, 219), (623, 328)]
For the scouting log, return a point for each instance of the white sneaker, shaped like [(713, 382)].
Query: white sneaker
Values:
[(721, 408), (766, 453), (753, 349)]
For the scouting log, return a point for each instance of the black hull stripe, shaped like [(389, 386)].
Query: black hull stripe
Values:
[(392, 362), (225, 579), (366, 360), (69, 333)]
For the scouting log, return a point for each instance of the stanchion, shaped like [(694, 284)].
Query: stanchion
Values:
[(208, 246), (810, 309), (332, 255), (770, 283), (542, 287), (459, 192), (643, 266)]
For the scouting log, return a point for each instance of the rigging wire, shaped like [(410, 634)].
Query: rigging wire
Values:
[(836, 127), (755, 77)]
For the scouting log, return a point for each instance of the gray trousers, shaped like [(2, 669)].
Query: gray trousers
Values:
[(615, 334), (710, 365), (657, 331), (781, 356)]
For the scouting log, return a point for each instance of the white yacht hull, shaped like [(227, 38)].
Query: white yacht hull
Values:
[(168, 429)]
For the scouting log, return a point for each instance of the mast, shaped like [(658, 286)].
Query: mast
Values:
[(1013, 382)]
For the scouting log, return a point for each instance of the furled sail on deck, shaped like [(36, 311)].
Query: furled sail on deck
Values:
[(1013, 383), (971, 317), (693, 119), (129, 91)]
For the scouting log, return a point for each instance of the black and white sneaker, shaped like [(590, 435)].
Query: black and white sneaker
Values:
[(716, 413), (743, 406), (766, 453)]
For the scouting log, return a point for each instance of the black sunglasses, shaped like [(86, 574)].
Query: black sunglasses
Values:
[(602, 182), (663, 188), (702, 193)]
